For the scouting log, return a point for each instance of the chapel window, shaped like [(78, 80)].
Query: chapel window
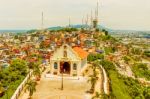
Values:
[(55, 65), (74, 66)]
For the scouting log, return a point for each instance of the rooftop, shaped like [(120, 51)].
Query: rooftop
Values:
[(82, 54)]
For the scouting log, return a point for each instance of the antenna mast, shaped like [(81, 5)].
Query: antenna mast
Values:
[(97, 10), (42, 21), (69, 23), (91, 18), (82, 22), (87, 21)]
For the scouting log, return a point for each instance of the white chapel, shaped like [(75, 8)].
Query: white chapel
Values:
[(69, 60)]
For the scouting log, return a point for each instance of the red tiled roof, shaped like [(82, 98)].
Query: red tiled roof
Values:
[(82, 54), (16, 50), (32, 60)]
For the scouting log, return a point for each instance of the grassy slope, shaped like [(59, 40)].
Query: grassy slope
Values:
[(118, 87)]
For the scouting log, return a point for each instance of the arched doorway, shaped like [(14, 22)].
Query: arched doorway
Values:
[(65, 67)]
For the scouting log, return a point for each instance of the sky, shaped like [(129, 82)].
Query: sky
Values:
[(114, 14)]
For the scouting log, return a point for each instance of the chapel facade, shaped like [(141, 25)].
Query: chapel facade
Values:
[(68, 60)]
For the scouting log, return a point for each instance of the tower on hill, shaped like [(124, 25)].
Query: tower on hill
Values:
[(42, 24), (95, 20)]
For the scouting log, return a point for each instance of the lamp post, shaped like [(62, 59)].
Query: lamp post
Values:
[(62, 87)]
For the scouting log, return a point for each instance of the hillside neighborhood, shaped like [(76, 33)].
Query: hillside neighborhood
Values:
[(107, 57)]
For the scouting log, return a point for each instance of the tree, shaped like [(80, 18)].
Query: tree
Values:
[(105, 96), (44, 44), (31, 65), (31, 87), (32, 31), (97, 30), (95, 65), (1, 90), (136, 51), (19, 65), (91, 57), (126, 59), (141, 70), (107, 65), (109, 50), (146, 53), (93, 78), (36, 69), (83, 30), (67, 29), (12, 76), (97, 96), (102, 96), (106, 32), (100, 56), (146, 93), (16, 37), (94, 57)]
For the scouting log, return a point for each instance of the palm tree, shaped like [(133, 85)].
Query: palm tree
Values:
[(31, 87), (92, 80), (97, 96), (105, 96), (31, 65), (95, 66), (37, 72)]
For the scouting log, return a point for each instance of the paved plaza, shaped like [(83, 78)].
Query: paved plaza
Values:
[(49, 88)]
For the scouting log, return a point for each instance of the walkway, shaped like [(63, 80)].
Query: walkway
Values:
[(49, 88), (99, 83), (105, 81)]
